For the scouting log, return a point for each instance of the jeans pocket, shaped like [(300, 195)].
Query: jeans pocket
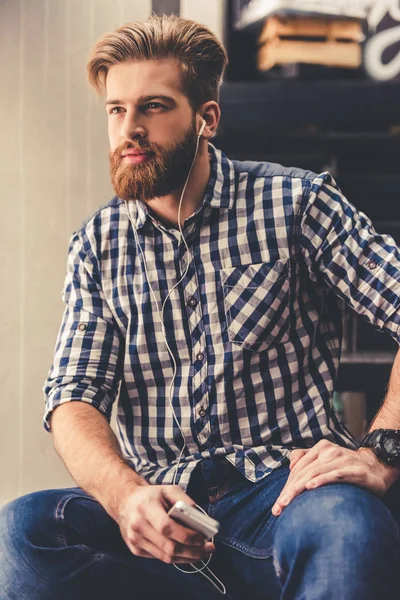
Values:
[(256, 304), (59, 515), (245, 514), (60, 508)]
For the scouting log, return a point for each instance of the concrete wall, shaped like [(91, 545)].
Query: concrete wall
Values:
[(53, 173)]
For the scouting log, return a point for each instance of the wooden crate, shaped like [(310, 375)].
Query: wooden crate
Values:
[(320, 41)]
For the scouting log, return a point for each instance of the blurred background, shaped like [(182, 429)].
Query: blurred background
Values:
[(313, 84)]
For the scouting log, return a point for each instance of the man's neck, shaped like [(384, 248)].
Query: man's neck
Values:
[(166, 208)]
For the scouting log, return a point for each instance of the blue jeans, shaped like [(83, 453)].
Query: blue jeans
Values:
[(335, 542)]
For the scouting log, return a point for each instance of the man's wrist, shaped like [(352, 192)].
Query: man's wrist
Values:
[(120, 489), (390, 473)]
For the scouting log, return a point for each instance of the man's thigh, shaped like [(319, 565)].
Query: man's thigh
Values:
[(337, 539), (88, 525), (248, 531), (62, 543), (244, 545)]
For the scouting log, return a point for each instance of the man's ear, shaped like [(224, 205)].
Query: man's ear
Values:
[(211, 114)]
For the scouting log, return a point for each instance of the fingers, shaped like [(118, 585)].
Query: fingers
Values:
[(176, 551), (173, 493), (299, 460), (350, 474), (295, 456), (302, 459), (179, 544), (300, 482), (154, 515), (328, 463), (151, 532), (323, 464), (307, 465), (171, 528), (155, 545)]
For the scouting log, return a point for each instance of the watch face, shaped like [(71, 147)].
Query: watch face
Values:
[(391, 444)]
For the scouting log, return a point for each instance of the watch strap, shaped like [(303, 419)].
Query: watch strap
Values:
[(371, 437)]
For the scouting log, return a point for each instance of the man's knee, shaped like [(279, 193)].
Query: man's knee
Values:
[(30, 535), (338, 537), (29, 519), (338, 516), (17, 519), (20, 528)]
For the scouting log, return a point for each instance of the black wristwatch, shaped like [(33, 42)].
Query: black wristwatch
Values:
[(385, 443)]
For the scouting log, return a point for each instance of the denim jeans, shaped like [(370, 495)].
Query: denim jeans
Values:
[(335, 542)]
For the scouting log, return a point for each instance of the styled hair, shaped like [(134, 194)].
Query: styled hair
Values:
[(200, 55)]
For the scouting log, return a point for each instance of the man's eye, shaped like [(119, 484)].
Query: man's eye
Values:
[(149, 105), (154, 105)]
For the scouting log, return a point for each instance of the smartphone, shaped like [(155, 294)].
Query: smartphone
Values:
[(194, 518)]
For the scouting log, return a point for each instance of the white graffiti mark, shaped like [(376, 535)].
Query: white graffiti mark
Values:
[(378, 43), (379, 9), (374, 50)]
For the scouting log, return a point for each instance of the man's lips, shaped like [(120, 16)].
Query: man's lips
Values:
[(136, 158), (137, 152), (136, 155)]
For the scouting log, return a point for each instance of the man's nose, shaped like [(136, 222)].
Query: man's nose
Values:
[(132, 128)]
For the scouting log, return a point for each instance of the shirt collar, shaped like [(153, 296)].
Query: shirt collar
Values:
[(220, 191)]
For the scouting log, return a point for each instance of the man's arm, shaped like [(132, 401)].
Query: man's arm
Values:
[(341, 250), (329, 463), (87, 362), (83, 383), (89, 448), (80, 390), (87, 444), (388, 417)]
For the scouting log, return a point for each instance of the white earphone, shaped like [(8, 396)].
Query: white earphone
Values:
[(202, 128)]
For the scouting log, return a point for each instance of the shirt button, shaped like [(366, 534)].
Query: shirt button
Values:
[(200, 356), (202, 412), (371, 264), (192, 302), (82, 326)]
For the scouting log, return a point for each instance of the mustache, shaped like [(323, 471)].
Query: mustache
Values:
[(131, 146)]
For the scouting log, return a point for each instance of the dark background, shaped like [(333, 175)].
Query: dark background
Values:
[(321, 118)]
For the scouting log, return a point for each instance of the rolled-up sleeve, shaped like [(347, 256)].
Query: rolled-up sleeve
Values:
[(340, 245), (86, 365)]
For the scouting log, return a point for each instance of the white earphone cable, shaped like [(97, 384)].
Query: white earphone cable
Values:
[(161, 319)]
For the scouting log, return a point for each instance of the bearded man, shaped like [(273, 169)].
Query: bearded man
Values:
[(206, 297)]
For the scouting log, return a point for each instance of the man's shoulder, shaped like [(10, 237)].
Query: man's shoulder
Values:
[(110, 207), (270, 170)]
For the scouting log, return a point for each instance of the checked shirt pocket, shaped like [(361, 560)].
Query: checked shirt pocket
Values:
[(256, 302)]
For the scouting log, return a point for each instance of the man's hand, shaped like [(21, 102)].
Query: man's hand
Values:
[(329, 463), (148, 530)]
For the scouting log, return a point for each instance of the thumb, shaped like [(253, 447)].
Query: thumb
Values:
[(173, 493), (295, 456)]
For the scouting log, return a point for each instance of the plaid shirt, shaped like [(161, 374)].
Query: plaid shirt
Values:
[(255, 326)]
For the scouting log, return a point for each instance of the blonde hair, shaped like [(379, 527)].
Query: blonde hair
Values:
[(201, 57)]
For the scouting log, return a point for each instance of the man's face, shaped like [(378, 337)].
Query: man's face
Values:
[(149, 109)]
